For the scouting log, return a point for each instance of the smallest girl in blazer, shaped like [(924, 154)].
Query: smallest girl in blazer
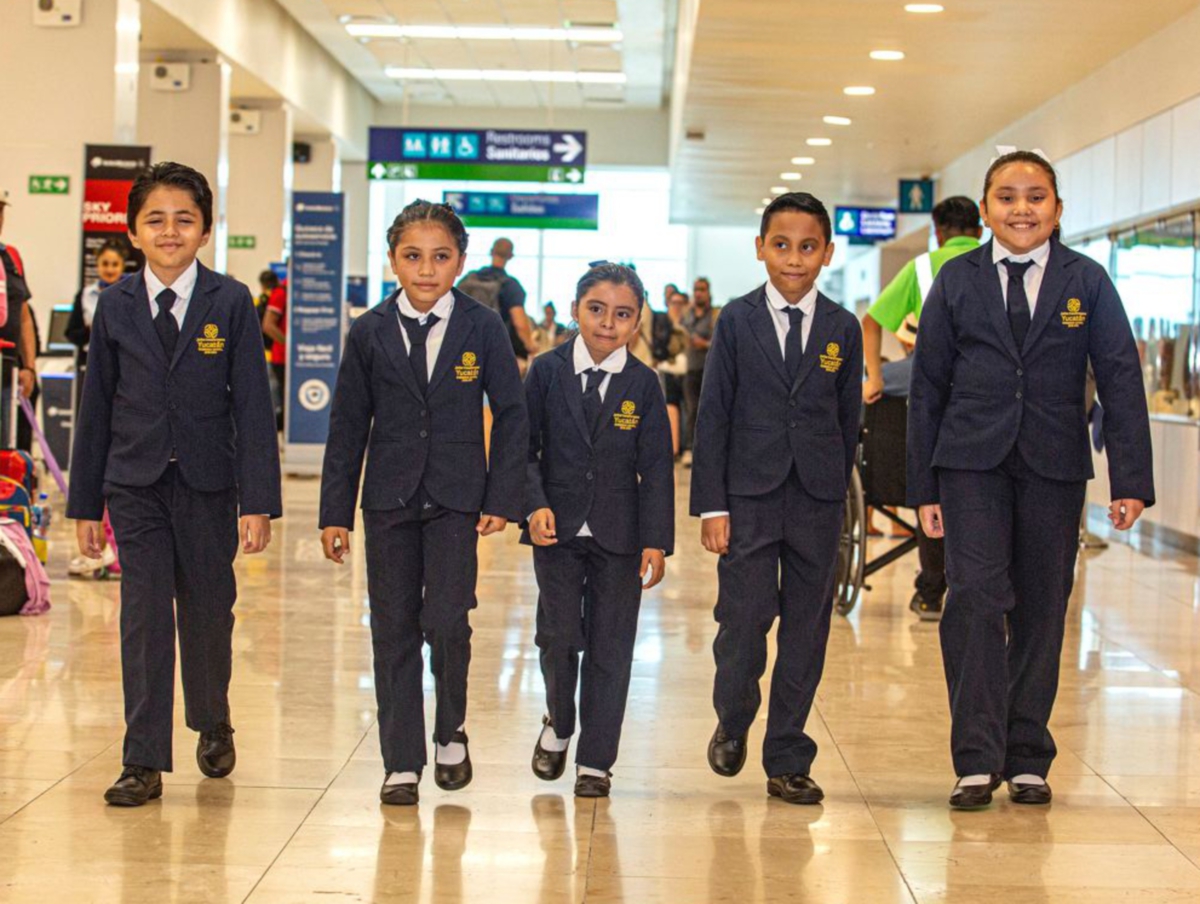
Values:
[(600, 498)]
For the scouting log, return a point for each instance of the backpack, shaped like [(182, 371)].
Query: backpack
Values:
[(13, 592), (484, 289)]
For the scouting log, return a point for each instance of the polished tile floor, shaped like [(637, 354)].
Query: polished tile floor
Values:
[(300, 820)]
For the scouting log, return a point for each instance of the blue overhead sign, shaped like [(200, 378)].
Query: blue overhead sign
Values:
[(872, 223), (916, 196), (533, 211), (516, 155)]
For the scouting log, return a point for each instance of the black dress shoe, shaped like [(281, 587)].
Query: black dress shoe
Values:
[(726, 754), (214, 752), (795, 789), (452, 778), (1036, 795), (927, 610), (136, 785), (592, 785), (973, 797), (403, 795), (548, 765)]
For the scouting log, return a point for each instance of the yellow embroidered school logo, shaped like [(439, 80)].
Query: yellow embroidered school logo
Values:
[(1074, 316), (831, 361), (468, 371), (626, 419), (212, 343)]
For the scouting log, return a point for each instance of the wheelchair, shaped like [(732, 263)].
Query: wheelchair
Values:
[(878, 482)]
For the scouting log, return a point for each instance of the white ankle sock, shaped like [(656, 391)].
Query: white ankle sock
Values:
[(450, 754), (401, 778), (975, 780), (552, 742), (1027, 779), (586, 770)]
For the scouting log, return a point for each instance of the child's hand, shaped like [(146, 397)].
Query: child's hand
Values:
[(1123, 513), (541, 528), (335, 543), (931, 521), (90, 537), (653, 561), (255, 531), (714, 534), (491, 524)]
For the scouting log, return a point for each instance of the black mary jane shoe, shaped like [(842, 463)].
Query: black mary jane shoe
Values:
[(548, 765), (458, 776), (793, 788), (726, 754), (1032, 795), (402, 795), (136, 786), (593, 785), (215, 753), (973, 797)]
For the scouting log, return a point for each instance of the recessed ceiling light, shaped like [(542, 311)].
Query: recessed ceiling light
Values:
[(759, 211), (819, 142), (859, 91), (888, 56), (924, 8), (779, 189), (837, 120), (507, 75), (791, 177), (484, 33), (803, 161), (766, 200)]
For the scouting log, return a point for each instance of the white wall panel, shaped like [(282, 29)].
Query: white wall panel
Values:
[(1185, 152), (1129, 165), (1156, 163), (1104, 183)]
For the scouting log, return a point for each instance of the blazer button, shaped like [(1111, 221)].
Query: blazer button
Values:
[(173, 406), (792, 424), (426, 413), (791, 403), (424, 434), (1018, 395), (1020, 373), (590, 475)]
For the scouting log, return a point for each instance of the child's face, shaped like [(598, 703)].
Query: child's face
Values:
[(169, 229), (608, 318), (426, 263), (794, 251), (1021, 207), (110, 266)]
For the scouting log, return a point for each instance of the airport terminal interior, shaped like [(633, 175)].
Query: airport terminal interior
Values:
[(654, 134)]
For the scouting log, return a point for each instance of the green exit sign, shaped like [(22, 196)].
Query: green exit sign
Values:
[(49, 185), (245, 242)]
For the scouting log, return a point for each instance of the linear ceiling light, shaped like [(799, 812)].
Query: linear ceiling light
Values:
[(837, 120), (803, 161), (819, 142), (507, 75), (924, 8), (887, 56), (791, 177), (859, 91), (483, 33), (779, 189)]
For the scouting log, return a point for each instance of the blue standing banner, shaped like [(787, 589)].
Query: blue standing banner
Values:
[(316, 319)]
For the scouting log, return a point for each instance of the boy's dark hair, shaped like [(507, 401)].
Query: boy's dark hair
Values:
[(115, 244), (172, 175), (1020, 157), (800, 202), (420, 211), (268, 280), (617, 274), (958, 215)]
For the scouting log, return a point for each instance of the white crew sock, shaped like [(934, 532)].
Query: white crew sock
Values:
[(402, 778), (1027, 779), (552, 742), (975, 780), (587, 770), (450, 754)]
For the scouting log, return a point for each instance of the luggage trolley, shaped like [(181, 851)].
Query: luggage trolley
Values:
[(878, 481)]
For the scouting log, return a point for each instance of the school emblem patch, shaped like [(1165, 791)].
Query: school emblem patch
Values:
[(1074, 316), (832, 361), (468, 371), (626, 418), (212, 343)]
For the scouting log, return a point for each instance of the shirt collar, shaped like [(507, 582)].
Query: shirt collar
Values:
[(807, 304), (1038, 255), (582, 358), (443, 308), (182, 287)]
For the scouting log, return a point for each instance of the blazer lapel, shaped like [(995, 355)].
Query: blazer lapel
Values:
[(143, 320), (763, 328), (393, 345), (1054, 285), (613, 396), (197, 310), (572, 389), (988, 282), (818, 338), (458, 330)]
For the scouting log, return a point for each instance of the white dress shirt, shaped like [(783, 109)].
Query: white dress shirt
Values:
[(613, 364), (182, 287), (433, 339), (1033, 276)]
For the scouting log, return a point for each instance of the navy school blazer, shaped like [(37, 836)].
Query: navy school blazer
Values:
[(210, 404), (975, 395), (435, 440), (618, 477), (754, 426)]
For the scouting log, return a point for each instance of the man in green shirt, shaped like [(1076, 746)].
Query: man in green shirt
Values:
[(956, 224)]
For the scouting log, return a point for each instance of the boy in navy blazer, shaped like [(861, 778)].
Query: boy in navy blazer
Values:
[(176, 434), (776, 436), (601, 498), (999, 459)]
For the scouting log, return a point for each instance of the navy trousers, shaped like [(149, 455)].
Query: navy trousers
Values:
[(1012, 538), (782, 556), (588, 602), (421, 570), (177, 550)]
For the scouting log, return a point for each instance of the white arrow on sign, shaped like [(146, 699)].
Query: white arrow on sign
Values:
[(574, 175), (569, 148), (378, 170)]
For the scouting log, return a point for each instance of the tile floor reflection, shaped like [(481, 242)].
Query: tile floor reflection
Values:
[(300, 820)]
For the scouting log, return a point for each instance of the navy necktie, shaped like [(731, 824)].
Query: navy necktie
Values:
[(164, 322), (793, 345), (1019, 316), (417, 334), (591, 397)]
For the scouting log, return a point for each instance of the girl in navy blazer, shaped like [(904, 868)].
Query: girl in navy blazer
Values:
[(601, 496), (998, 462), (411, 392)]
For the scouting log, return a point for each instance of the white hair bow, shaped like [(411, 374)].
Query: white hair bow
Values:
[(1003, 150)]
